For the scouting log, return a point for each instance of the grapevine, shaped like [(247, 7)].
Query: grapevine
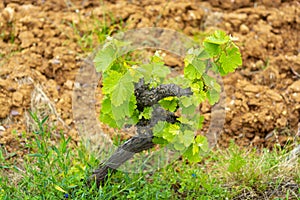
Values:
[(161, 109)]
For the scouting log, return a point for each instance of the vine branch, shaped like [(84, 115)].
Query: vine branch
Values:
[(143, 140), (148, 97)]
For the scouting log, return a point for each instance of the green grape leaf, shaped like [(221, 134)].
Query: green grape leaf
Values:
[(183, 140), (178, 146), (214, 89), (190, 72), (108, 119), (121, 111), (106, 105), (171, 132), (194, 67), (153, 71), (158, 129), (194, 120), (189, 58), (114, 116), (188, 105), (105, 58), (191, 154), (184, 120), (230, 59), (195, 149), (188, 110), (119, 43), (212, 49), (126, 109), (156, 58), (132, 106), (123, 90), (110, 80), (159, 140), (188, 137), (186, 101), (203, 55), (197, 86), (199, 65), (169, 103), (146, 114), (219, 37), (135, 74), (211, 83), (134, 118), (200, 120), (202, 142), (200, 96), (213, 96), (192, 52), (216, 67), (178, 80)]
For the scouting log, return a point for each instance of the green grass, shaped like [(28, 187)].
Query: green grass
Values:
[(59, 170)]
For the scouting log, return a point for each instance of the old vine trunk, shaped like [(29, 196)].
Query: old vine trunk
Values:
[(143, 140)]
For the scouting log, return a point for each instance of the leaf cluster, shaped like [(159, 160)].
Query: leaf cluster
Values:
[(121, 77)]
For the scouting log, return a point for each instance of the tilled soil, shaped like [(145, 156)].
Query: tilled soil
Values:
[(43, 42)]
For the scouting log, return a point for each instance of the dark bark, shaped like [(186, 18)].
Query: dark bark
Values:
[(143, 141), (148, 97)]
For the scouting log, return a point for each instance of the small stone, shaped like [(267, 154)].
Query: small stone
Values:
[(274, 95), (295, 87), (281, 122), (257, 140), (14, 113), (8, 14), (244, 29), (27, 39), (55, 61), (228, 26), (4, 108), (177, 19), (68, 121), (2, 128), (251, 88), (296, 97), (284, 112), (269, 3), (249, 135), (74, 134), (17, 99), (172, 61), (260, 64), (69, 84)]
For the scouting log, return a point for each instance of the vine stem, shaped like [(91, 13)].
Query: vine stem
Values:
[(148, 97), (143, 140)]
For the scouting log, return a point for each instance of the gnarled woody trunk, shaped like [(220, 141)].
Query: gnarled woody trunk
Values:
[(143, 140)]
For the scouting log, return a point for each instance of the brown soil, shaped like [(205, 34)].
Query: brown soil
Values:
[(41, 49)]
